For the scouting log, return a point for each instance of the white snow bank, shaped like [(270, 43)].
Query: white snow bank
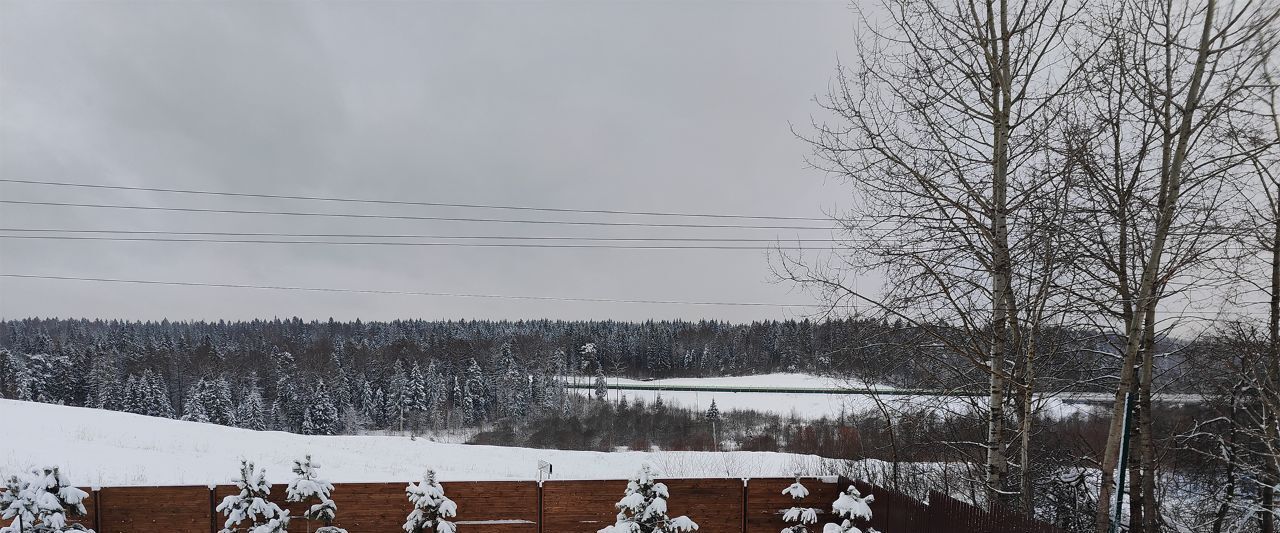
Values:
[(107, 448)]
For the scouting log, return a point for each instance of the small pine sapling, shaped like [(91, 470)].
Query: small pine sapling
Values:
[(39, 501), (308, 486), (251, 505), (643, 508), (800, 518), (852, 507), (430, 507)]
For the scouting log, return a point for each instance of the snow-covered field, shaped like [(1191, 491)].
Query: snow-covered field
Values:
[(107, 448), (843, 397)]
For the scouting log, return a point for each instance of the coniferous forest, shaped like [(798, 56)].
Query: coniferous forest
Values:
[(345, 377)]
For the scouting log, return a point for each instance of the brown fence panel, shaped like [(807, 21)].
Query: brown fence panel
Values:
[(947, 514), (766, 502), (483, 507), (587, 506), (154, 509), (893, 510), (715, 504), (580, 506), (371, 507), (494, 506)]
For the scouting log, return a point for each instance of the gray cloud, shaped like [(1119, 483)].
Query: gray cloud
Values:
[(671, 106)]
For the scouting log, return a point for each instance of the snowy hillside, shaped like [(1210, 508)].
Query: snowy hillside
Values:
[(109, 448)]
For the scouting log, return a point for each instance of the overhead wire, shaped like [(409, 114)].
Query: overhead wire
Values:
[(405, 202), (411, 217)]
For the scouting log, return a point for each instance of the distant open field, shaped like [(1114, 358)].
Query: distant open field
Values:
[(810, 396)]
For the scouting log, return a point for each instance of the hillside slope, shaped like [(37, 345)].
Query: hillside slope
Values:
[(107, 448)]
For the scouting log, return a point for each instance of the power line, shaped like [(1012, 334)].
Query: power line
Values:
[(407, 202), (411, 244), (412, 217), (410, 236), (403, 293)]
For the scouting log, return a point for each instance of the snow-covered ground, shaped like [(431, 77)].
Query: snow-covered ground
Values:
[(823, 396), (107, 448), (781, 380)]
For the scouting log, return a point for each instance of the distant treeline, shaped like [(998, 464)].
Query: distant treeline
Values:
[(334, 377)]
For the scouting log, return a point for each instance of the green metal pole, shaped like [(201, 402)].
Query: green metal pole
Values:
[(1124, 461)]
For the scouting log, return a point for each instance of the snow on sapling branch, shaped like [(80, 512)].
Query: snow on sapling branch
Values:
[(38, 502), (852, 507), (251, 505), (643, 508), (800, 518), (430, 506), (308, 486)]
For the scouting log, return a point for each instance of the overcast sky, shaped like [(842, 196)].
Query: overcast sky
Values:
[(680, 106)]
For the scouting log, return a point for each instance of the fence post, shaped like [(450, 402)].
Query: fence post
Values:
[(213, 509), (97, 509), (745, 511), (540, 506)]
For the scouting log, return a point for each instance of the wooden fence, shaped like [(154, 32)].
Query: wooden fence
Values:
[(718, 505)]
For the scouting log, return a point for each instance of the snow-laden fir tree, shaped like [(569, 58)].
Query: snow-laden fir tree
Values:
[(601, 385), (430, 507), (713, 416), (475, 396), (308, 486), (39, 502), (852, 508), (643, 508), (193, 406), (156, 398), (249, 511), (250, 413), (320, 417), (799, 517)]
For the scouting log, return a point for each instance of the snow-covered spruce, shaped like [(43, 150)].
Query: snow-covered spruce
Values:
[(643, 509), (430, 507), (307, 487), (800, 518), (250, 505), (39, 501), (852, 507)]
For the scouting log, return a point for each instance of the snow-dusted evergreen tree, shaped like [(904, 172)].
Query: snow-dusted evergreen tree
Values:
[(601, 385), (643, 509), (249, 511), (852, 508), (48, 379), (39, 501), (320, 417), (249, 414), (287, 405), (8, 374), (430, 507), (713, 416), (437, 391), (397, 395), (308, 486), (475, 398), (218, 405), (208, 400), (155, 395), (107, 391), (193, 406), (416, 390), (799, 517)]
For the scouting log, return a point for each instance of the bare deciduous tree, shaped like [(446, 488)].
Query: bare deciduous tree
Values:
[(941, 127)]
